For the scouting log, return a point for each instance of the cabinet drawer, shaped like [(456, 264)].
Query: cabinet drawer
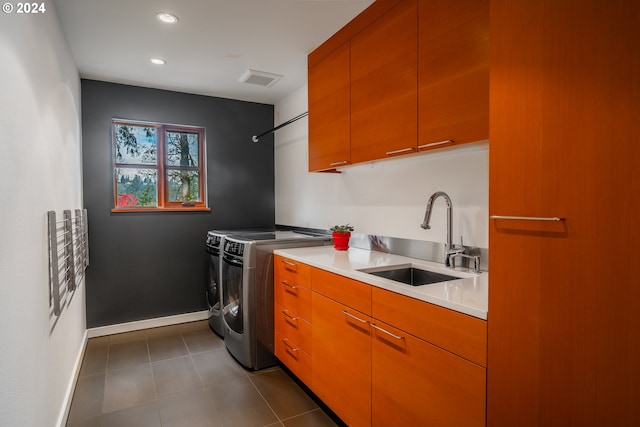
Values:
[(458, 333), (293, 327), (346, 291), (295, 298), (293, 357), (292, 271)]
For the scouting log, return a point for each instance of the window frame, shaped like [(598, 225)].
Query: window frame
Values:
[(163, 204)]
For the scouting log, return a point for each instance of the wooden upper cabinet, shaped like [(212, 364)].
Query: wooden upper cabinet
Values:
[(453, 72), (384, 74), (330, 111)]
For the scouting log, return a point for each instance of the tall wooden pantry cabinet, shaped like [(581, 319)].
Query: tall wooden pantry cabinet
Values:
[(564, 298)]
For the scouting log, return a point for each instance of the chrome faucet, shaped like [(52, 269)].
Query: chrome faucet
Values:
[(450, 249)]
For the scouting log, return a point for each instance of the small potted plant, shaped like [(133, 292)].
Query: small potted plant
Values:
[(341, 235)]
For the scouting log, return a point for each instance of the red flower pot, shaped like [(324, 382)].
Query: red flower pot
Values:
[(341, 241)]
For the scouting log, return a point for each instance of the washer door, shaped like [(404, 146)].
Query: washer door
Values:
[(232, 293)]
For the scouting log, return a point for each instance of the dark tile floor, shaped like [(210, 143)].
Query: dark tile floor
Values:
[(183, 376)]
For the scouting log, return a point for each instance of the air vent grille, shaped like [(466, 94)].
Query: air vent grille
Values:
[(259, 78)]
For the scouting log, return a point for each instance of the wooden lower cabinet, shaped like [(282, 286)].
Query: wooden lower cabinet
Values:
[(292, 316), (414, 383), (355, 353), (341, 365), (293, 357)]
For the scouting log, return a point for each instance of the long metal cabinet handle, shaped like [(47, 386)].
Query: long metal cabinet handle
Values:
[(289, 263), (286, 343), (387, 332), (295, 319), (354, 317), (402, 150), (343, 162), (526, 218), (433, 144), (289, 285)]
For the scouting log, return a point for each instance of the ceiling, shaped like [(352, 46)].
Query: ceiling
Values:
[(211, 46)]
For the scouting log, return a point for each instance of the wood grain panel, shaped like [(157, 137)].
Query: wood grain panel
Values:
[(294, 358), (357, 24), (293, 327), (563, 341), (295, 271), (342, 289), (515, 160), (293, 297), (342, 360), (384, 85), (453, 67), (415, 383), (458, 333), (330, 110)]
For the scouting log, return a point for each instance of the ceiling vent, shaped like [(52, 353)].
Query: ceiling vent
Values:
[(259, 78)]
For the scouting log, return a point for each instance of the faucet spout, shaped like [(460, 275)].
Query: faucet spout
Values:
[(450, 248), (427, 214)]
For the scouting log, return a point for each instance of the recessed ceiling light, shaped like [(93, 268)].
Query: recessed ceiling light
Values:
[(158, 61), (167, 18)]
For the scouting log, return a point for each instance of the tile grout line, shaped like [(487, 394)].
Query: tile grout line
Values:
[(263, 398), (153, 379)]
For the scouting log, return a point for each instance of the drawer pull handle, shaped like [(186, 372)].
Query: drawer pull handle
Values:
[(289, 346), (353, 317), (387, 332), (433, 144), (526, 218), (344, 162), (402, 150), (289, 263), (295, 319), (289, 285)]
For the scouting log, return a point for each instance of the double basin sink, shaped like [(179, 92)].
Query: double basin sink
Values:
[(409, 275)]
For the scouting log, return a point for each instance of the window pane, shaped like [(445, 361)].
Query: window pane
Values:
[(182, 148), (136, 187), (135, 144), (183, 186)]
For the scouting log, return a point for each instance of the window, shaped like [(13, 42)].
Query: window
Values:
[(158, 167)]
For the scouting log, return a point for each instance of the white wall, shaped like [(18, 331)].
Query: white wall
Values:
[(40, 170), (386, 198)]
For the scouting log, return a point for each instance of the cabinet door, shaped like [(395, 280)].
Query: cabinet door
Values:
[(415, 383), (341, 374), (453, 66), (563, 336), (384, 85), (329, 111)]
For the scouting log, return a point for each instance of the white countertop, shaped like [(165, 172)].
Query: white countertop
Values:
[(468, 295)]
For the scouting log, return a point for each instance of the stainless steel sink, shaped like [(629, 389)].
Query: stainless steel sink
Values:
[(411, 276)]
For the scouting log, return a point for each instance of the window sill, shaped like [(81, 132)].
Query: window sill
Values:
[(172, 209)]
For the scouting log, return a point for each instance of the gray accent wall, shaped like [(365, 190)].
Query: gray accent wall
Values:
[(147, 265)]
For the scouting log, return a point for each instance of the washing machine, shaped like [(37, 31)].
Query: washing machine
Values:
[(247, 292)]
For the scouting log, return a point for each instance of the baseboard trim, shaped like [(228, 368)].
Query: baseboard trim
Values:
[(147, 324), (64, 414)]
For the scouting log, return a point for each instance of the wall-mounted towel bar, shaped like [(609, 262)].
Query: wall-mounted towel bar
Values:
[(256, 138)]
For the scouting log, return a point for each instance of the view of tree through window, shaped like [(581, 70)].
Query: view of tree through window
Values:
[(157, 166)]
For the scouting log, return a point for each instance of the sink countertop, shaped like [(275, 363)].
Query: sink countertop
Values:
[(468, 295)]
